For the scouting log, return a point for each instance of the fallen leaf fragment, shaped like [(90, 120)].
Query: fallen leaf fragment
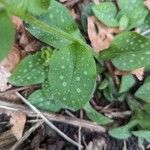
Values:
[(97, 144), (100, 35), (18, 23), (6, 66), (17, 121), (4, 74), (139, 73), (12, 59), (147, 4)]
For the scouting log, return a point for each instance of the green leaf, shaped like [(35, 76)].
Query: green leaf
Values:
[(30, 71), (7, 33), (135, 11), (72, 78), (144, 28), (59, 17), (124, 131), (39, 100), (106, 13), (95, 116), (127, 82), (38, 7), (132, 13), (128, 51), (144, 91), (110, 92), (140, 113), (142, 134), (129, 5), (86, 12), (123, 22), (137, 16), (103, 84)]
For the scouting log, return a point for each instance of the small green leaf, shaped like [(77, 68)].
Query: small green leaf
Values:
[(103, 84), (106, 13), (140, 113), (7, 33), (59, 17), (123, 22), (128, 51), (129, 5), (39, 100), (86, 12), (145, 134), (95, 116), (30, 71), (127, 82), (110, 92), (124, 131), (144, 91), (72, 78), (134, 10), (144, 28), (137, 16)]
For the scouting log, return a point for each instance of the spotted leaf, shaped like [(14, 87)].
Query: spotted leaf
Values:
[(127, 82), (6, 33), (106, 13), (96, 116), (46, 90), (58, 17), (123, 132), (72, 78), (86, 12), (30, 71), (132, 13), (144, 28), (39, 100), (128, 51), (144, 91)]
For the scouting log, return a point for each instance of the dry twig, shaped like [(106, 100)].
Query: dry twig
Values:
[(47, 121)]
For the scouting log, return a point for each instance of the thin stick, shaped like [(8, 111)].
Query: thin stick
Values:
[(47, 121), (145, 32), (14, 90), (53, 117), (79, 130)]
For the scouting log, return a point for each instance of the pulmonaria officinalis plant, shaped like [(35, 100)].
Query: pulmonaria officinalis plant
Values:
[(67, 70), (70, 66)]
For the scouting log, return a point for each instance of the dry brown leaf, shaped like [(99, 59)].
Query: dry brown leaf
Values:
[(120, 72), (4, 74), (6, 66), (100, 35), (73, 14), (147, 3), (18, 23), (139, 73), (12, 59), (97, 144), (17, 121)]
